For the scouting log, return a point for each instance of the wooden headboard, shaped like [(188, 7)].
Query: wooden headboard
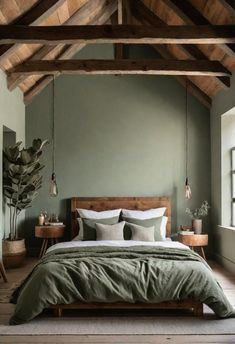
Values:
[(108, 203)]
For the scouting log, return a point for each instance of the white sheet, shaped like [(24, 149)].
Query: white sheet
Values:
[(118, 243)]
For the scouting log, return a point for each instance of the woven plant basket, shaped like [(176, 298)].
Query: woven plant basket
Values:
[(13, 253)]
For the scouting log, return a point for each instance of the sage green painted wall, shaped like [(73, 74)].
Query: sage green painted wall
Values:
[(12, 115), (223, 238), (120, 136)]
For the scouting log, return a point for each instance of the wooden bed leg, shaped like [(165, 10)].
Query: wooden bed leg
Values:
[(58, 312), (198, 310)]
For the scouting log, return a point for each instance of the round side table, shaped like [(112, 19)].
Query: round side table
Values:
[(194, 240), (50, 236)]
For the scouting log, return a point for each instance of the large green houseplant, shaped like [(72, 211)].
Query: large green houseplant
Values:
[(21, 181)]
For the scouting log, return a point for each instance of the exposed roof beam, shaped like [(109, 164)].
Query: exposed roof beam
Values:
[(151, 67), (190, 15), (129, 34), (80, 16), (146, 16), (102, 17), (123, 16), (229, 5), (119, 48), (34, 16), (183, 80)]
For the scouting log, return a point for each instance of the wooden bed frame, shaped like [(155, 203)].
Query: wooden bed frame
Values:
[(134, 203)]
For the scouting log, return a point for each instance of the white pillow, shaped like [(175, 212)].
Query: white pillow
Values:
[(163, 227), (144, 214), (91, 214)]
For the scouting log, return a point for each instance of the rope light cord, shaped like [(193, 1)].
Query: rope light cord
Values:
[(186, 128), (53, 186), (188, 192), (53, 126)]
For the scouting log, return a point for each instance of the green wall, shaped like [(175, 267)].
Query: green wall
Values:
[(12, 116), (223, 236), (120, 136)]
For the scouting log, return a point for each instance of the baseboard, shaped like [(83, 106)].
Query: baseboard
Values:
[(227, 263)]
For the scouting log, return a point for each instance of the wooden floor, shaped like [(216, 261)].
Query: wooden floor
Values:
[(226, 280)]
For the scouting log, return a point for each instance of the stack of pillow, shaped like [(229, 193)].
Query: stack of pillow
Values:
[(122, 224)]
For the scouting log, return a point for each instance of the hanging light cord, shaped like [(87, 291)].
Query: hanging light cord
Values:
[(186, 128), (53, 126)]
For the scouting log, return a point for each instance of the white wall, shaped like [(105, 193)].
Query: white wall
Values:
[(12, 115)]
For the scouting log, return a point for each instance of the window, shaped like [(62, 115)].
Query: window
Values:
[(232, 183), (228, 169)]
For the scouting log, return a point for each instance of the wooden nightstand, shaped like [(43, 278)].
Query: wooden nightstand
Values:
[(50, 235), (194, 240)]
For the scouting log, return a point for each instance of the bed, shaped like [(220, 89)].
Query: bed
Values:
[(93, 275)]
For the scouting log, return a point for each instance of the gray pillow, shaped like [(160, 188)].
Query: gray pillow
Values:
[(156, 222), (140, 233), (89, 229), (110, 232)]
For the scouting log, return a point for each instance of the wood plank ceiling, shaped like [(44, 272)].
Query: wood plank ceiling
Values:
[(19, 60)]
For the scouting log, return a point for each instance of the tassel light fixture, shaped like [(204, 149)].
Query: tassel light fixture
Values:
[(188, 192), (53, 185)]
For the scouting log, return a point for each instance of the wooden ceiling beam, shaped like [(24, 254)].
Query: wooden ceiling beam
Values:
[(123, 16), (119, 48), (183, 80), (35, 15), (144, 15), (102, 17), (128, 34), (191, 16), (81, 15), (150, 67), (229, 5)]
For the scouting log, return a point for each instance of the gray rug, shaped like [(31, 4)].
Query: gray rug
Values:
[(131, 325)]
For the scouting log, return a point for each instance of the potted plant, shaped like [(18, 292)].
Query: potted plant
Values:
[(196, 216), (21, 181)]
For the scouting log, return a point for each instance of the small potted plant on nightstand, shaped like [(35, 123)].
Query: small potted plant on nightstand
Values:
[(197, 215), (21, 181)]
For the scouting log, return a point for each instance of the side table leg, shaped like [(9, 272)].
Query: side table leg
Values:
[(203, 253), (45, 246), (42, 248), (3, 272)]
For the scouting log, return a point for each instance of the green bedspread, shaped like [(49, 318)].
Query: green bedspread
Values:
[(111, 274)]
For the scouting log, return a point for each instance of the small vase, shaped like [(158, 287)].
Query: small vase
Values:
[(197, 226), (41, 219)]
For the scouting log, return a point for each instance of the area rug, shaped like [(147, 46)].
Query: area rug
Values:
[(5, 293), (122, 325)]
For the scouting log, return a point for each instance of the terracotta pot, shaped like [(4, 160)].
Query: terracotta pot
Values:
[(13, 253), (197, 226)]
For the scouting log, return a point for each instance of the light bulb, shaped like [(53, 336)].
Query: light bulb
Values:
[(53, 186), (188, 192)]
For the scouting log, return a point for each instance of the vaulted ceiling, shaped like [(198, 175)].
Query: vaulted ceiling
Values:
[(154, 13)]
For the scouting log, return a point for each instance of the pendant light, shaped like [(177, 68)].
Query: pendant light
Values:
[(188, 192), (53, 186)]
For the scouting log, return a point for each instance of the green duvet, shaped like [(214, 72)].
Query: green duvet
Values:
[(111, 274)]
